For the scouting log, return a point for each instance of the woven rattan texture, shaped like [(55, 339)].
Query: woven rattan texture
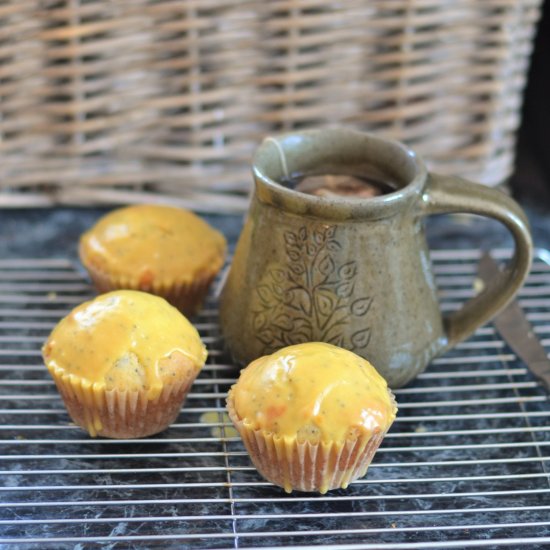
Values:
[(132, 100)]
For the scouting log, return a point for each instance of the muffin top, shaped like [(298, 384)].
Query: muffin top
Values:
[(315, 392), (153, 242), (125, 340)]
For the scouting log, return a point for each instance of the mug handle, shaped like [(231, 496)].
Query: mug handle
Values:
[(451, 194)]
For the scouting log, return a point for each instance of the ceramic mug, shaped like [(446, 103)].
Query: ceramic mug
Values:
[(355, 272)]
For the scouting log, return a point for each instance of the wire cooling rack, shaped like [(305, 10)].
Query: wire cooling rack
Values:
[(466, 463)]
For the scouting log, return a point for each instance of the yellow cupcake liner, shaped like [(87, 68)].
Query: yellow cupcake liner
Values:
[(305, 465), (185, 296), (120, 414)]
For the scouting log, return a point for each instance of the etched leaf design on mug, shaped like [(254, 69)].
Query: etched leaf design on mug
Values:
[(361, 306), (348, 271), (360, 339), (326, 265), (310, 297)]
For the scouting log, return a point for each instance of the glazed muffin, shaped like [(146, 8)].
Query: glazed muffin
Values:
[(163, 250), (124, 363), (311, 416)]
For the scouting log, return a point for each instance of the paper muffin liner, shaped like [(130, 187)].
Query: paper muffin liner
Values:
[(187, 297), (307, 466), (120, 414)]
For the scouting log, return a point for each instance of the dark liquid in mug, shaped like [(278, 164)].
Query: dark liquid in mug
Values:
[(338, 185)]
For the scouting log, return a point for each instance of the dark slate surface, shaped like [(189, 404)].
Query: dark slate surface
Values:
[(46, 233), (54, 233)]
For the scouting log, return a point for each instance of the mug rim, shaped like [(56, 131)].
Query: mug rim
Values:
[(274, 193)]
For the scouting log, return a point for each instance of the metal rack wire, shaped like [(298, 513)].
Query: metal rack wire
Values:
[(466, 464)]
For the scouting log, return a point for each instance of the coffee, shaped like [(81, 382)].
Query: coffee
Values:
[(338, 185)]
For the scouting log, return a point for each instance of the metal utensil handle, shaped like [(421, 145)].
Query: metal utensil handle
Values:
[(448, 194), (515, 328)]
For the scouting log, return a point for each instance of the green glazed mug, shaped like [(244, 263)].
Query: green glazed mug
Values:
[(355, 272)]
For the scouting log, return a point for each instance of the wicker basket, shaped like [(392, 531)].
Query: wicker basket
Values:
[(115, 101)]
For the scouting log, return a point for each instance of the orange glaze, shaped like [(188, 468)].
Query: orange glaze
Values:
[(91, 341), (315, 390), (149, 243)]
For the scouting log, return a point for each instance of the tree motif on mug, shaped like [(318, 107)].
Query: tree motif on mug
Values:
[(311, 299)]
